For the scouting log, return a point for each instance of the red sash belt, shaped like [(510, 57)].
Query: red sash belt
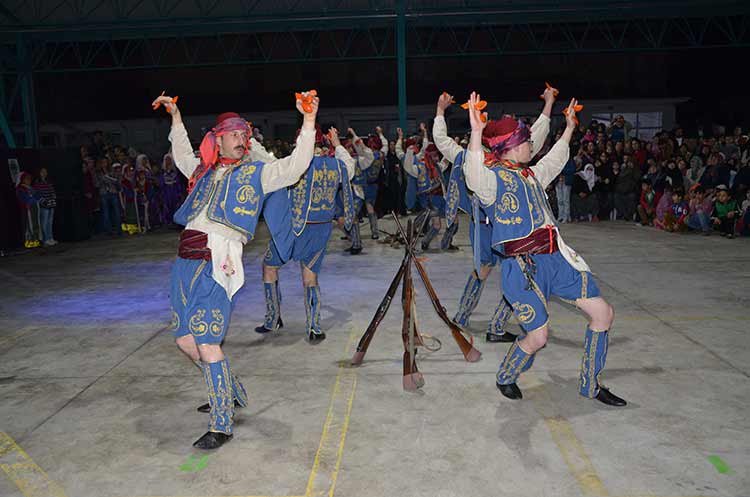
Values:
[(193, 245), (541, 241)]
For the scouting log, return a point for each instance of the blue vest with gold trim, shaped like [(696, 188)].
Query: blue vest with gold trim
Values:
[(234, 201), (373, 172), (313, 198), (519, 207), (425, 183), (360, 176)]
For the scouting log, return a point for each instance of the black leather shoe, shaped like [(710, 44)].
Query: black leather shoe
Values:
[(452, 248), (316, 337), (354, 251), (212, 440), (511, 391), (606, 397), (502, 337), (374, 236), (207, 407), (263, 329)]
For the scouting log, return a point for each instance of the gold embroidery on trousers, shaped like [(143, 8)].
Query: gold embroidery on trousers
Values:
[(197, 326)]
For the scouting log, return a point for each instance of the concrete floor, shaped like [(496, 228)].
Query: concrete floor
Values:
[(97, 401)]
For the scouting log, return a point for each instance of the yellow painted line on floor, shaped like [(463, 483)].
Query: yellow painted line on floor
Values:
[(570, 447), (9, 340), (327, 462), (30, 479)]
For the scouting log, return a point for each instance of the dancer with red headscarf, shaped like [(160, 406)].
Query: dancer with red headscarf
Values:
[(537, 263), (226, 188)]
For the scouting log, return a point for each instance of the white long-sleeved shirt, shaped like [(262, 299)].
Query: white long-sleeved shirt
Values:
[(224, 242), (450, 149), (483, 182)]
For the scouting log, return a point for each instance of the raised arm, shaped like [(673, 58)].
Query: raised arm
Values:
[(258, 152), (365, 154), (383, 141), (182, 151), (540, 128), (400, 144), (285, 172), (342, 153), (550, 166), (409, 166), (425, 140), (479, 178), (449, 148)]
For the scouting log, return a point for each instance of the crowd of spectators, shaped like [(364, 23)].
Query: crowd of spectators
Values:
[(671, 182)]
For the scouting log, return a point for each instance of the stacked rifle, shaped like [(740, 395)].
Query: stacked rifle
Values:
[(410, 336)]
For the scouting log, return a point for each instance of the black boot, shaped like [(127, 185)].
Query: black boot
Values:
[(510, 390), (606, 397), (263, 329), (212, 440), (207, 407), (502, 337), (316, 337)]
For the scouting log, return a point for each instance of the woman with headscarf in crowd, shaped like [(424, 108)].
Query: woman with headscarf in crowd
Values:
[(128, 198), (585, 205), (673, 175)]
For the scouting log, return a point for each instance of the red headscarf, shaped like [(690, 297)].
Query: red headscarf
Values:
[(374, 142), (209, 149), (431, 159), (504, 134)]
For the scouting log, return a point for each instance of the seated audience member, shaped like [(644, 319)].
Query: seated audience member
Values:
[(725, 212)]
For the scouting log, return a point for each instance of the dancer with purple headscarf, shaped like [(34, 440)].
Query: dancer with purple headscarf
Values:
[(536, 261)]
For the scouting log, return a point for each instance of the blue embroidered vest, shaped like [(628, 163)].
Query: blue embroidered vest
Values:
[(360, 176), (425, 183), (234, 201), (519, 207), (313, 198), (373, 172)]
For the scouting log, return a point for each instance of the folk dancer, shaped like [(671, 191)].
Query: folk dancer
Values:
[(226, 193), (312, 204), (537, 263), (459, 197)]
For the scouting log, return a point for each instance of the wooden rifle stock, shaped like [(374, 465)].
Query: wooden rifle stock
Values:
[(470, 353), (385, 304)]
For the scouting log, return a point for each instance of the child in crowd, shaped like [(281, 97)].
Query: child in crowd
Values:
[(701, 206), (674, 219), (647, 204), (725, 213), (28, 201), (744, 225)]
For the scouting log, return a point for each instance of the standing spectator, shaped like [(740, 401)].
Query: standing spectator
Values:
[(28, 201), (619, 130), (171, 189), (128, 197), (393, 200), (701, 207), (109, 188), (639, 153), (725, 212), (47, 203), (90, 193), (647, 204), (604, 186), (583, 198), (562, 190), (626, 184)]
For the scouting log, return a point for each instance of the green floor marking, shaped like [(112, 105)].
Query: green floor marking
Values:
[(193, 464), (719, 464)]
